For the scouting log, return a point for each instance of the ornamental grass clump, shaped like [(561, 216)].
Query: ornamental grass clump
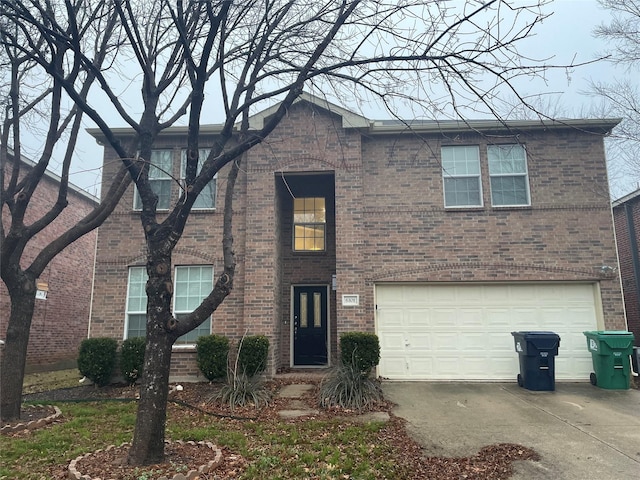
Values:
[(242, 390), (245, 386), (349, 385)]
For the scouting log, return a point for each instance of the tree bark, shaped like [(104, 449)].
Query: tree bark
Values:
[(14, 355), (148, 440)]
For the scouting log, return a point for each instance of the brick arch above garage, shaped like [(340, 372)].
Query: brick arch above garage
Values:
[(478, 271)]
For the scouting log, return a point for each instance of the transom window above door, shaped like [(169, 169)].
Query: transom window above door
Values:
[(309, 224)]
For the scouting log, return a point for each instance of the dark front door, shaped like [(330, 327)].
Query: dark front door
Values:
[(310, 325)]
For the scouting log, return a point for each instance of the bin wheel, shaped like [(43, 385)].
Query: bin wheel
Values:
[(520, 383), (593, 379)]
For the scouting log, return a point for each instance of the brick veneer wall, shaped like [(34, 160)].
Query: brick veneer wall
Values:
[(308, 141), (390, 225), (121, 245), (565, 235), (60, 322), (623, 238)]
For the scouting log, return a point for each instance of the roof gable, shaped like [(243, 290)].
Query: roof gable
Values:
[(349, 118)]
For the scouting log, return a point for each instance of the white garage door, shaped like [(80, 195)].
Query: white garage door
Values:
[(462, 331)]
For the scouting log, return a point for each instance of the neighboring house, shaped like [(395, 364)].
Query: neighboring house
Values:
[(441, 237), (60, 321), (626, 217)]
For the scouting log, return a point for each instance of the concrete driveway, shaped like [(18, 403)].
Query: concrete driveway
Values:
[(580, 431)]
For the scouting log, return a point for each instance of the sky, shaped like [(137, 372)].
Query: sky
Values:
[(565, 37)]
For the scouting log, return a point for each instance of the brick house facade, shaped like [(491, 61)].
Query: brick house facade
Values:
[(626, 217), (442, 238), (60, 321)]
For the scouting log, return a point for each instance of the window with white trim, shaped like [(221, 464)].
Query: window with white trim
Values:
[(309, 224), (461, 176), (160, 172), (508, 174), (136, 303), (192, 284), (207, 197)]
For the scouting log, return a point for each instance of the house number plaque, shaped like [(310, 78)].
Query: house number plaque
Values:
[(350, 300)]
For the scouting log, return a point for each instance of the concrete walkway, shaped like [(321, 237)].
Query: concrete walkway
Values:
[(580, 431), (296, 407)]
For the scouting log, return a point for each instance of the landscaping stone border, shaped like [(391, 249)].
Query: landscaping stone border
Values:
[(190, 475), (33, 424)]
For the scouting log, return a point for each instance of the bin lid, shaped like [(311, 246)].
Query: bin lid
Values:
[(615, 339), (532, 333), (541, 341), (609, 333)]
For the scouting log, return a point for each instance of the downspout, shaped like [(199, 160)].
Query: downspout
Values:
[(93, 283)]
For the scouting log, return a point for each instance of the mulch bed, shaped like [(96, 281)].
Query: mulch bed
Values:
[(493, 462)]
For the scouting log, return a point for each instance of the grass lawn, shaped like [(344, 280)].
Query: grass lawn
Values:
[(329, 448), (255, 444)]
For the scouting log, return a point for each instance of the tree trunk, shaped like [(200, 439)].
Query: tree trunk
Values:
[(148, 440), (14, 355)]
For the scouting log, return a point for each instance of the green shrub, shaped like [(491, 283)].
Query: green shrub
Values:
[(252, 355), (132, 358), (346, 387), (96, 359), (361, 348), (212, 353)]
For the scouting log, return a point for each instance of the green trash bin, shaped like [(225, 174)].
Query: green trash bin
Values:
[(610, 351)]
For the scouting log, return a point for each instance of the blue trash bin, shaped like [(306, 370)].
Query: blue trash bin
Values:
[(536, 353)]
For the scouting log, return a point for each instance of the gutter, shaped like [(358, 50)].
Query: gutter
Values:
[(597, 126)]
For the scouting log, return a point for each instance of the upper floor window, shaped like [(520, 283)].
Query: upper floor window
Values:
[(461, 176), (159, 179), (509, 177), (192, 284), (309, 224), (207, 197)]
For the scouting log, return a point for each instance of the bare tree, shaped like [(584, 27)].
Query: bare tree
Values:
[(621, 98), (29, 96), (429, 56)]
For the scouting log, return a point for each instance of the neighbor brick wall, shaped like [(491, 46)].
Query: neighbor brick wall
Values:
[(623, 238), (60, 322)]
